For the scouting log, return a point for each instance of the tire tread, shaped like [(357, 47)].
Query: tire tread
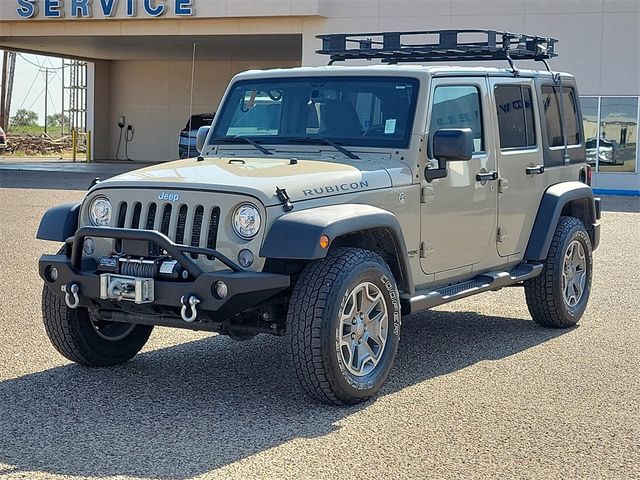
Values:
[(70, 333), (307, 306), (540, 294)]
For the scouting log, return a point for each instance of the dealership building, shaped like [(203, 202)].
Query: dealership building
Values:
[(140, 56)]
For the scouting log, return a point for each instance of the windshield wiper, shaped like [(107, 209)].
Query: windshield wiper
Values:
[(315, 140), (242, 139)]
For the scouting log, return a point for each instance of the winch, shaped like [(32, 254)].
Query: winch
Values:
[(121, 287), (158, 268)]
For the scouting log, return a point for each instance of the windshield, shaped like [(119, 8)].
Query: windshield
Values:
[(352, 111)]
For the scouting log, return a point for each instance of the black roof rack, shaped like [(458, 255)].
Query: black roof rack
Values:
[(437, 46)]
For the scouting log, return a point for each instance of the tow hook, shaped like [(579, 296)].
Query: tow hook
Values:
[(190, 304), (69, 291)]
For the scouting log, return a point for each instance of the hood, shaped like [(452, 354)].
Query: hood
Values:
[(259, 177)]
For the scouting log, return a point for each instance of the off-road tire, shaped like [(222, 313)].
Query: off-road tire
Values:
[(73, 335), (544, 295), (313, 325)]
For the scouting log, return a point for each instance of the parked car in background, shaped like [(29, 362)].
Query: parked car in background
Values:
[(606, 152), (187, 136), (3, 139)]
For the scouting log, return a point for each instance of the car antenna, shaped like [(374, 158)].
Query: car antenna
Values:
[(193, 73)]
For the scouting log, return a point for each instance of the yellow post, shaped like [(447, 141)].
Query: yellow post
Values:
[(74, 143), (89, 159)]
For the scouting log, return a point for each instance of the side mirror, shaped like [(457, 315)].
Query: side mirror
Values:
[(450, 145), (201, 137), (453, 144)]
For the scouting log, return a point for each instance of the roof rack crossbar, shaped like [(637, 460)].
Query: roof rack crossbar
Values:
[(440, 45)]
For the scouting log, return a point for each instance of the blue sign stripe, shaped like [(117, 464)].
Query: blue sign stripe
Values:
[(621, 193)]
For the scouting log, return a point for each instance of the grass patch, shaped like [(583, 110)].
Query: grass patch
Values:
[(35, 130)]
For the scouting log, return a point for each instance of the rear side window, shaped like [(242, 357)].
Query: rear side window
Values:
[(514, 104), (458, 106), (551, 102), (572, 124)]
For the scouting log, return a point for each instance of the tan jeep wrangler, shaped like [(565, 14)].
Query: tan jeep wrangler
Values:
[(329, 202)]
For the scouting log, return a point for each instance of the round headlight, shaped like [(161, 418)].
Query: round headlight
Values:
[(100, 212), (246, 221)]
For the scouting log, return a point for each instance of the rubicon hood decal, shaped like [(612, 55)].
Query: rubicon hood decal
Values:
[(258, 177), (333, 189)]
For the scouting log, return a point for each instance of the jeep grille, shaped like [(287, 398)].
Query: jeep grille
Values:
[(198, 225)]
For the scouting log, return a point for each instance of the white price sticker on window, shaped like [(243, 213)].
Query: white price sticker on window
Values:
[(390, 126)]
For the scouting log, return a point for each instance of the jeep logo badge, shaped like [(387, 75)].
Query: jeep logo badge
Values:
[(169, 197)]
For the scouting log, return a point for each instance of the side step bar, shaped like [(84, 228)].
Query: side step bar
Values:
[(426, 299)]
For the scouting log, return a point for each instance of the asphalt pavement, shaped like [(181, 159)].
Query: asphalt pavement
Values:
[(478, 390)]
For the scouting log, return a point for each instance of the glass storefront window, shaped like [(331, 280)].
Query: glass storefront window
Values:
[(611, 132), (619, 131), (590, 124)]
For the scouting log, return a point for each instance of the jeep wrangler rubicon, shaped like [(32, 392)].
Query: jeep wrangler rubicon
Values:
[(329, 202)]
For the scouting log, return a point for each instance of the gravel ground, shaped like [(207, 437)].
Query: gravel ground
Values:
[(478, 389)]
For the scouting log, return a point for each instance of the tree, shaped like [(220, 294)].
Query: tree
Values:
[(24, 118), (57, 119)]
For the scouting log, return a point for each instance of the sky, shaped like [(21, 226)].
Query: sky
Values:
[(29, 83)]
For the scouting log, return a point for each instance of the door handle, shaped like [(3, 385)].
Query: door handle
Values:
[(537, 170), (486, 176)]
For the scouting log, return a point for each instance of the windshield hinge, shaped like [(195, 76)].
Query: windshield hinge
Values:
[(425, 249), (283, 196), (426, 194)]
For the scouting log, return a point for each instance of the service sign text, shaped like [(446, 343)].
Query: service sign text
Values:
[(108, 8)]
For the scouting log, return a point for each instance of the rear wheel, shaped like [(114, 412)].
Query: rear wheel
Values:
[(558, 297), (343, 326), (86, 339)]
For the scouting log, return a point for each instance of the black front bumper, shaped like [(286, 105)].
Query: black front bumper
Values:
[(245, 289)]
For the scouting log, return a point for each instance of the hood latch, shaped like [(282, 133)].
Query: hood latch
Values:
[(283, 196)]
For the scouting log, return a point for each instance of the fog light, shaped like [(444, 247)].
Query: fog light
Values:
[(89, 246), (51, 274), (245, 258), (220, 290)]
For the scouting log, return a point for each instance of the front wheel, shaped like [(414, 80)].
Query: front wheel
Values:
[(558, 296), (86, 339), (343, 326)]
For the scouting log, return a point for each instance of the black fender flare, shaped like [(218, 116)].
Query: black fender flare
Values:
[(59, 222), (296, 235), (553, 202)]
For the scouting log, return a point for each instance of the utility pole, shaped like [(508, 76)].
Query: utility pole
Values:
[(46, 99), (62, 122), (3, 91), (12, 71)]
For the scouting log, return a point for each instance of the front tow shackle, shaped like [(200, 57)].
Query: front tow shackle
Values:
[(71, 297), (189, 310)]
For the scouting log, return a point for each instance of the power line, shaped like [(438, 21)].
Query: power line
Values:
[(37, 98), (55, 111), (35, 78), (38, 65)]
